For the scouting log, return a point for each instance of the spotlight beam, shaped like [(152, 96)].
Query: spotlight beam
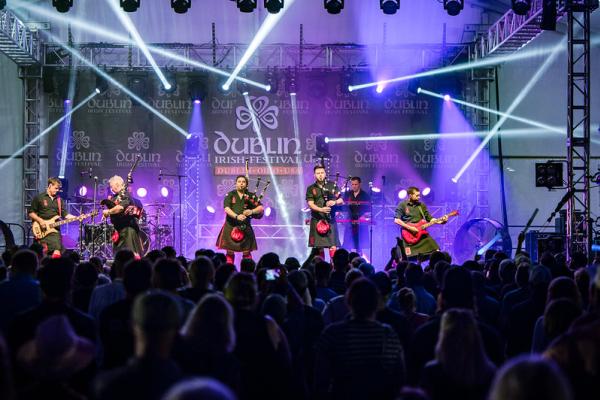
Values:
[(266, 27), (89, 26), (128, 24), (278, 194), (49, 128), (486, 62), (524, 92), (109, 78), (491, 111)]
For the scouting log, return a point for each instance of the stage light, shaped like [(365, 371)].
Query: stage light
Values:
[(197, 91), (291, 83), (426, 191), (82, 191), (402, 194), (376, 189), (380, 88), (138, 86), (268, 211), (142, 192), (181, 6), (211, 209), (164, 191), (246, 6), (67, 101), (521, 7), (62, 5), (130, 5), (446, 97), (389, 6), (334, 6), (274, 6), (454, 7), (101, 84), (272, 80)]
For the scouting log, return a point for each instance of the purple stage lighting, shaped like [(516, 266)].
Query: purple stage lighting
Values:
[(210, 209), (379, 88), (268, 211), (447, 97), (142, 192), (402, 194), (67, 101), (426, 191), (164, 191), (82, 191), (376, 190), (196, 101)]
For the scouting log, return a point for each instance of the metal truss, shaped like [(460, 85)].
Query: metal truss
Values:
[(18, 42), (579, 232), (330, 56), (512, 31), (192, 206), (263, 231), (32, 92)]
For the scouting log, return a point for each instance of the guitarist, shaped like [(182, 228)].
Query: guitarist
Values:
[(413, 210), (126, 234), (45, 206), (321, 196)]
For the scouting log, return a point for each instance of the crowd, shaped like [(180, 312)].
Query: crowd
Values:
[(162, 327)]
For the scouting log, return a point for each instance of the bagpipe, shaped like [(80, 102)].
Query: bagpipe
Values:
[(110, 203), (331, 191), (251, 201)]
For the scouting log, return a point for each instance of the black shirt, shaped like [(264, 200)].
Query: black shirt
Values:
[(127, 217), (46, 207), (412, 212), (357, 205), (320, 195)]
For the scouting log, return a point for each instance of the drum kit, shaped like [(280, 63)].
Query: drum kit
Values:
[(96, 238)]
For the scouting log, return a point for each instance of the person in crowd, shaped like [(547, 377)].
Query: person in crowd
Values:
[(292, 263), (7, 386), (426, 304), (261, 346), (51, 359), (322, 275), (385, 314), (337, 309), (105, 295), (407, 305), (208, 342), (461, 369), (151, 372), (169, 251), (457, 292), (340, 268), (166, 276), (248, 265), (114, 324), (202, 277), (85, 279), (488, 308), (359, 358), (530, 377), (21, 291), (516, 296)]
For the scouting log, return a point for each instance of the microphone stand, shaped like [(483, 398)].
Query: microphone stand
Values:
[(178, 176), (93, 252)]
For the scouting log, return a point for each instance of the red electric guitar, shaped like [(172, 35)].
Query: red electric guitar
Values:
[(412, 238)]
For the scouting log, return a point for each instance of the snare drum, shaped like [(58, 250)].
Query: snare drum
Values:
[(98, 233)]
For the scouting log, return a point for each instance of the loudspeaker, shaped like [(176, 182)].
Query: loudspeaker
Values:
[(548, 15), (536, 243)]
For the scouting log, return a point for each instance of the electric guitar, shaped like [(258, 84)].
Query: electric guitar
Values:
[(413, 238), (40, 231)]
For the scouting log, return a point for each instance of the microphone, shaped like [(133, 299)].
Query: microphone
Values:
[(561, 203), (160, 174)]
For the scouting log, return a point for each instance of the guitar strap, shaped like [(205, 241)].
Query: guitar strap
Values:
[(422, 214), (59, 206)]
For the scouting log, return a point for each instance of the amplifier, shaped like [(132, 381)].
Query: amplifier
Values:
[(536, 243)]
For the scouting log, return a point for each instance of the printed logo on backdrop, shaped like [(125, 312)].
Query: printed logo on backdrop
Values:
[(171, 103), (285, 105), (264, 114), (375, 155), (224, 104), (79, 154), (113, 101), (137, 143), (405, 103), (346, 103), (433, 154)]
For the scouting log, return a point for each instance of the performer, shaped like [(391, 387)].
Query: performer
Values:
[(237, 234), (321, 196), (122, 215), (356, 234), (413, 211), (45, 206)]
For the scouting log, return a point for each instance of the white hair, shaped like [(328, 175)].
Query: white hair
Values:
[(116, 179)]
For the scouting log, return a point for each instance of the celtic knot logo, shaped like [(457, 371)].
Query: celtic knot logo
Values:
[(259, 107), (138, 141), (79, 139), (225, 187)]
